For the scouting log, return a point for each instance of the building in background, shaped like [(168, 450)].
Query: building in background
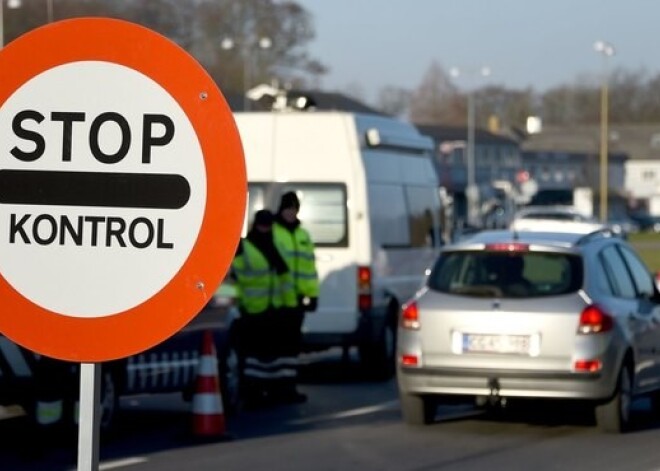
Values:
[(562, 157), (497, 164)]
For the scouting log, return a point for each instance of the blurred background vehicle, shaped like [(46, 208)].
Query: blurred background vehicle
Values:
[(170, 366), (622, 225), (554, 218), (507, 315), (646, 222)]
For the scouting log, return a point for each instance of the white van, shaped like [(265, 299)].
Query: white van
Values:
[(369, 197)]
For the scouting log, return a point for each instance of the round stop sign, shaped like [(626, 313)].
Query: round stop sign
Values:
[(122, 189)]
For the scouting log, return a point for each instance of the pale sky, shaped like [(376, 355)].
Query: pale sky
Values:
[(524, 42)]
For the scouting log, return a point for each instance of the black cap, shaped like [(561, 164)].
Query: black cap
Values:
[(289, 200), (263, 217)]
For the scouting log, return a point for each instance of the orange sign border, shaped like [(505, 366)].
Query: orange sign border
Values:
[(184, 296)]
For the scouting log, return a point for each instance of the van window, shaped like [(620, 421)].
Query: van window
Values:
[(322, 211), (389, 219), (256, 201), (423, 216)]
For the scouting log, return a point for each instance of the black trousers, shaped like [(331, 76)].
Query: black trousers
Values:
[(270, 346)]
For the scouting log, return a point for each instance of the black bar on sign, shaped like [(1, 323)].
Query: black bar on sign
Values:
[(118, 190)]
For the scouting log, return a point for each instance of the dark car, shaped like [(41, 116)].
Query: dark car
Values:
[(646, 222), (170, 366)]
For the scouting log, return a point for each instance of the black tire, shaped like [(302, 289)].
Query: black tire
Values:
[(655, 404), (417, 410), (378, 357), (614, 415)]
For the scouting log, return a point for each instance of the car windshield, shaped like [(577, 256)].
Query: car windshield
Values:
[(506, 274)]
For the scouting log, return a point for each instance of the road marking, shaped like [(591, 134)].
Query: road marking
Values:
[(389, 405), (465, 414), (9, 412), (120, 463)]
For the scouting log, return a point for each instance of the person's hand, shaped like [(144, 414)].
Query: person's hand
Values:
[(308, 304), (311, 307)]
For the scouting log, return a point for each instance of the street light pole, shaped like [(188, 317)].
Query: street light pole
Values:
[(248, 62), (471, 190), (10, 4), (2, 24), (607, 51)]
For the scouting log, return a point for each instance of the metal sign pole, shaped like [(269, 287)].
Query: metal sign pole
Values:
[(89, 417)]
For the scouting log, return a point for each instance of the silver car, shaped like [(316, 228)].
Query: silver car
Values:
[(532, 315)]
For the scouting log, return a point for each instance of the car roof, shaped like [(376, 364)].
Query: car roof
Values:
[(566, 240)]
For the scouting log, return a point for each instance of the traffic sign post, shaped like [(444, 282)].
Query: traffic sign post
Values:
[(122, 190)]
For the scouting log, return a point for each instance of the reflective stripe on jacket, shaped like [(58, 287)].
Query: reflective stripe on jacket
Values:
[(259, 287), (297, 249)]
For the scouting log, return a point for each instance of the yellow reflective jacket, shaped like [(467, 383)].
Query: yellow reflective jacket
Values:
[(297, 249), (258, 286)]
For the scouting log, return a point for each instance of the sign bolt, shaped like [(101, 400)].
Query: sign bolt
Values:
[(203, 96)]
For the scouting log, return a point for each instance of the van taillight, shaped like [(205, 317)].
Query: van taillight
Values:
[(594, 320), (410, 316), (364, 288)]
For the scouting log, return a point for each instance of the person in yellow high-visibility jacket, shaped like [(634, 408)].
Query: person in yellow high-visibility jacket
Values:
[(297, 247), (264, 288)]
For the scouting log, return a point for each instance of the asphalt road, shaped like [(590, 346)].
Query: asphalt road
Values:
[(348, 424)]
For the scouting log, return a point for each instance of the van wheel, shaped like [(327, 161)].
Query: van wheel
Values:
[(417, 410), (655, 403), (614, 415), (377, 357)]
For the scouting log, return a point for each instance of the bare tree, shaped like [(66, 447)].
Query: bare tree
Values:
[(436, 100), (511, 107), (650, 109), (394, 101), (200, 26)]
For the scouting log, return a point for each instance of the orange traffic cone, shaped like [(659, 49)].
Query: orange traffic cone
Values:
[(208, 413)]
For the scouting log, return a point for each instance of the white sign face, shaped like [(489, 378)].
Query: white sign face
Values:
[(102, 189)]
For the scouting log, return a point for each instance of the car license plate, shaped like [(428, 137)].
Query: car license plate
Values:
[(488, 343)]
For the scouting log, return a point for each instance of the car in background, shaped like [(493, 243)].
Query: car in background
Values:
[(554, 219), (646, 222), (509, 315)]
